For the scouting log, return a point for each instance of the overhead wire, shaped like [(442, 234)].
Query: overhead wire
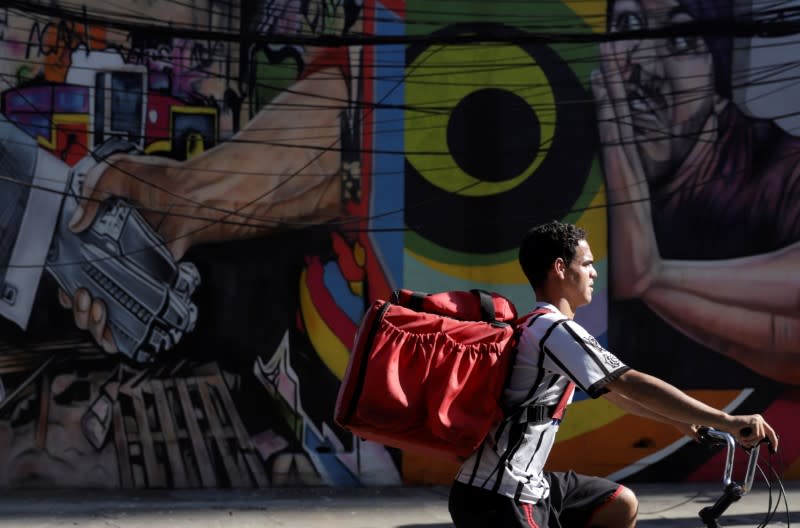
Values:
[(442, 107), (342, 225), (573, 61), (333, 14), (591, 57), (411, 14), (375, 151), (499, 65), (766, 94), (729, 28), (445, 106), (399, 153), (212, 222)]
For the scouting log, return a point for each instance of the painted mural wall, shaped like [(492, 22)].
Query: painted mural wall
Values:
[(199, 199)]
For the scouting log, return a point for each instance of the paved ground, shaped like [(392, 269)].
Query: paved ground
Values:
[(663, 506)]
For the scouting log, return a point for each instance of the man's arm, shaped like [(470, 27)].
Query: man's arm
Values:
[(663, 399), (633, 407)]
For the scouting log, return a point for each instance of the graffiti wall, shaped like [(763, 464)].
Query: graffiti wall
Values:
[(200, 199)]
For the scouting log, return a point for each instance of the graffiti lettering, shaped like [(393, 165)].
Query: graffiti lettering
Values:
[(56, 38), (153, 55), (178, 57), (203, 55)]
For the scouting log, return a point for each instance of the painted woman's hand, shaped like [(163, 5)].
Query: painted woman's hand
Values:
[(633, 248)]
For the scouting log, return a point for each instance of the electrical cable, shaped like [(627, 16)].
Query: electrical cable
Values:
[(733, 28), (543, 20), (443, 106), (341, 226), (439, 153), (399, 153), (775, 67), (779, 14), (770, 510), (237, 212), (235, 173), (590, 57)]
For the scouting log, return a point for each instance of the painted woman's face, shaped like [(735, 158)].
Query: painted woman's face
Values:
[(669, 82)]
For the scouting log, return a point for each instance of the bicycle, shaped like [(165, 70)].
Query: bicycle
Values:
[(733, 491)]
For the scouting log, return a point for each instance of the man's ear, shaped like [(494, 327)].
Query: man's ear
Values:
[(560, 267)]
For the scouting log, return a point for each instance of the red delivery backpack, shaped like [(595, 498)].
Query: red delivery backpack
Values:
[(427, 371)]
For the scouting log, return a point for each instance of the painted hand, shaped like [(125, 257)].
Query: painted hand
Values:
[(634, 252), (122, 175)]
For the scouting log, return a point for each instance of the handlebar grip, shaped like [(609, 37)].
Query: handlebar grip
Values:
[(712, 438), (746, 431)]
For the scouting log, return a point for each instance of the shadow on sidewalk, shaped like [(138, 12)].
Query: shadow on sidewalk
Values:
[(732, 521), (438, 525)]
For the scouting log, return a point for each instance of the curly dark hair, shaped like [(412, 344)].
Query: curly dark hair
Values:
[(543, 244)]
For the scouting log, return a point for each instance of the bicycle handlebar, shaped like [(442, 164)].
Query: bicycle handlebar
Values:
[(713, 437), (732, 491)]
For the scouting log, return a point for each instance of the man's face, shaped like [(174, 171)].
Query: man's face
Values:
[(580, 275), (669, 82)]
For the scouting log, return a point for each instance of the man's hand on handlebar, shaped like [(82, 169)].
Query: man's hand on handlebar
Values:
[(751, 430)]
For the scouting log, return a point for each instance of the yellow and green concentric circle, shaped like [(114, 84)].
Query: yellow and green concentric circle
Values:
[(448, 74)]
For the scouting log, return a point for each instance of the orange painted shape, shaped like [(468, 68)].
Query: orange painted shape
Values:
[(623, 441), (612, 447)]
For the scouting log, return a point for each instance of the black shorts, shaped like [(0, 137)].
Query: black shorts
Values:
[(572, 503)]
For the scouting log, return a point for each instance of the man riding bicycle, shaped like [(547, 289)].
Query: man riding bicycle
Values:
[(503, 483)]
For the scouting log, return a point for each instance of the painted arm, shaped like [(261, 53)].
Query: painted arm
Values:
[(744, 308), (279, 172)]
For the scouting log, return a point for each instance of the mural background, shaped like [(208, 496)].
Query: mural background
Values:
[(304, 181)]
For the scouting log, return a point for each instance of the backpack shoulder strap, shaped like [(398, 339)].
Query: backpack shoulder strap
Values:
[(529, 318), (558, 414)]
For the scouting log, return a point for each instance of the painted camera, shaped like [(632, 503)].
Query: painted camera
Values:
[(122, 261)]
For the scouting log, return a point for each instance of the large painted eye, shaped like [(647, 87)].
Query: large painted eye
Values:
[(498, 137)]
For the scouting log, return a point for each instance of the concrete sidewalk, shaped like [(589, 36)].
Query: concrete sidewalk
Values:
[(661, 505)]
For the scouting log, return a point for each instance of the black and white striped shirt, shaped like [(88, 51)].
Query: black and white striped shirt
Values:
[(553, 351)]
